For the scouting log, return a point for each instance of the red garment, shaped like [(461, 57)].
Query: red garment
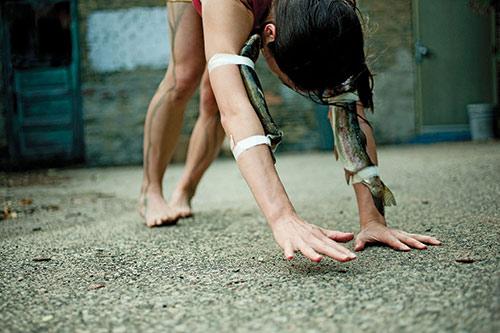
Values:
[(259, 8)]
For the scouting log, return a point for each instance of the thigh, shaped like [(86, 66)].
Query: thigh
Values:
[(186, 37)]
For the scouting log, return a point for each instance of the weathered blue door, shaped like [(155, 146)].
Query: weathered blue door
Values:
[(41, 73)]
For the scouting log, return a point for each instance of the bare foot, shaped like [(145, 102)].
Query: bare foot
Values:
[(180, 202), (155, 210)]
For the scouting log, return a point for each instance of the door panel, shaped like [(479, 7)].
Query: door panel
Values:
[(454, 62), (43, 143), (52, 111), (43, 79)]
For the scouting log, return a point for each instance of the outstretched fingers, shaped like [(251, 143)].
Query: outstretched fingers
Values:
[(310, 253), (359, 244), (289, 251), (326, 246), (397, 239), (328, 243), (295, 235), (338, 236), (412, 242), (397, 244), (337, 253), (391, 240), (425, 239)]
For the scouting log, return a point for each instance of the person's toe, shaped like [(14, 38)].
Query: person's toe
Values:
[(151, 222)]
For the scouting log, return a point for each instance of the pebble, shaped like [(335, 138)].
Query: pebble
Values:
[(96, 286), (47, 318), (39, 259)]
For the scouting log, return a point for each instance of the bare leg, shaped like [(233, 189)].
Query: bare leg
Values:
[(166, 110), (204, 147)]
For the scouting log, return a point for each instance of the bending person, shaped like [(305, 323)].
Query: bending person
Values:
[(313, 46)]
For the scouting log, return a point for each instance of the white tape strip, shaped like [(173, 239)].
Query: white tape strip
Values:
[(221, 59), (248, 143), (365, 173)]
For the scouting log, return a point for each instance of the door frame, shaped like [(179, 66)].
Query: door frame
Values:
[(7, 91), (496, 54), (419, 126), (7, 81)]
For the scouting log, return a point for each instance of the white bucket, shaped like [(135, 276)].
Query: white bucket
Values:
[(481, 120)]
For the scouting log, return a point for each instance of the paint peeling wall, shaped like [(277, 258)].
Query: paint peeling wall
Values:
[(124, 56), (118, 82), (389, 41), (118, 79), (126, 39)]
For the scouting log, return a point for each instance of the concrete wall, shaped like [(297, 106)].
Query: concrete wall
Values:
[(389, 41), (115, 102), (116, 91), (118, 80)]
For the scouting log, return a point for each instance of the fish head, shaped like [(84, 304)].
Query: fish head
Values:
[(252, 47)]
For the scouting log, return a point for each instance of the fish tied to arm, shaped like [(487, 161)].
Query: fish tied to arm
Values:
[(350, 148), (255, 92)]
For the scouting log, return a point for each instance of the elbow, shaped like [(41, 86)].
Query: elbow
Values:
[(225, 120), (232, 116)]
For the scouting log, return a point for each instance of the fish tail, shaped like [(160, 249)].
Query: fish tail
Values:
[(389, 199), (378, 199), (381, 195)]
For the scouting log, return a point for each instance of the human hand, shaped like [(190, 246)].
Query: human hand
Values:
[(379, 232), (293, 234)]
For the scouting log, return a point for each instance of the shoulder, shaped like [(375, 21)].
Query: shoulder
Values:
[(226, 25)]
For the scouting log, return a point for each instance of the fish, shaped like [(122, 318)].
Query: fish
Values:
[(350, 149), (253, 87)]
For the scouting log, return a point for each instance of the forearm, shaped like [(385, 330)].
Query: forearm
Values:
[(366, 207), (257, 167), (256, 164)]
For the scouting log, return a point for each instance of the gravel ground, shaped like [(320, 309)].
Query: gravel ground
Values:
[(75, 256)]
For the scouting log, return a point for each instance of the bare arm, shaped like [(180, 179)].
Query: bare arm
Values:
[(373, 225), (237, 115), (366, 207), (227, 24)]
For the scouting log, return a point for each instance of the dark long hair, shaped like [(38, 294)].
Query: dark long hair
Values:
[(320, 46)]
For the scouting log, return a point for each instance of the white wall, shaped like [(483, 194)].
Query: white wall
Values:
[(128, 38)]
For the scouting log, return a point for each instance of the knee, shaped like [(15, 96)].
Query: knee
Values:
[(208, 104), (182, 83)]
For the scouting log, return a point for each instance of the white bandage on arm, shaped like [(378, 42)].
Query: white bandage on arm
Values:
[(222, 59), (250, 142), (365, 173)]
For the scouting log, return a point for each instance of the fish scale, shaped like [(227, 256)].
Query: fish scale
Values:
[(255, 92), (350, 149)]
